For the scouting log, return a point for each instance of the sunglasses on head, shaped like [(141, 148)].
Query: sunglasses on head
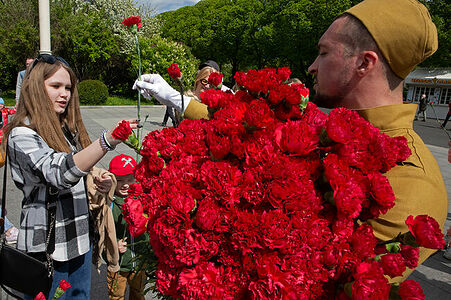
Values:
[(48, 58)]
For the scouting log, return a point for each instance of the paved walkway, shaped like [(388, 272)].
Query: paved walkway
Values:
[(433, 275)]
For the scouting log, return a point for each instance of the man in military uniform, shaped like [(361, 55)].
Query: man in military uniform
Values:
[(363, 59)]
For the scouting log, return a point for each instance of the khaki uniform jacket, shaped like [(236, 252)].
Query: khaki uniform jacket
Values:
[(417, 183)]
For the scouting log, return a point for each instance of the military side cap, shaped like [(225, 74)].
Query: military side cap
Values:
[(403, 31)]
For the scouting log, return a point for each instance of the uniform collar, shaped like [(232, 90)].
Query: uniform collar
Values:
[(390, 116)]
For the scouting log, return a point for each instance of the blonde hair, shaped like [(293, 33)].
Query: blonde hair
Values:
[(36, 107), (203, 73)]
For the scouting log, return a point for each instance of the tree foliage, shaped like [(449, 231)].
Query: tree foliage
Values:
[(260, 33), (158, 53), (90, 36), (440, 11), (238, 34), (19, 37), (254, 33)]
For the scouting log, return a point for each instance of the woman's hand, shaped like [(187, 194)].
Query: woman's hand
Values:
[(120, 131)]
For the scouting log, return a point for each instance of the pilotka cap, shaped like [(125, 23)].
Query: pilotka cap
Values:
[(403, 31)]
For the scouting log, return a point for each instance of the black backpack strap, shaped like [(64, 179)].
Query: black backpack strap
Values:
[(2, 220)]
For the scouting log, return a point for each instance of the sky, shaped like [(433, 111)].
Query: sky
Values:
[(166, 5)]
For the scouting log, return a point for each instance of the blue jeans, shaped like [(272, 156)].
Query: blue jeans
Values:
[(77, 272)]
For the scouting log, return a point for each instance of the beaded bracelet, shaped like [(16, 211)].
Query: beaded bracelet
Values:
[(104, 143)]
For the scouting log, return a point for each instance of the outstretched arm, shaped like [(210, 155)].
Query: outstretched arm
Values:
[(153, 85), (88, 157)]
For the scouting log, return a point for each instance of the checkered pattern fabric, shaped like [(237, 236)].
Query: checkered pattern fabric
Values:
[(34, 165)]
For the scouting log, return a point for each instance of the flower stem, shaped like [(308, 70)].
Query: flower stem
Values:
[(138, 135), (139, 78)]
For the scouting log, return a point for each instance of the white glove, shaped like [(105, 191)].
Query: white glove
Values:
[(153, 85)]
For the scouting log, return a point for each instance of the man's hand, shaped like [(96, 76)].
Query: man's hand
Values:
[(153, 85), (103, 183), (122, 245)]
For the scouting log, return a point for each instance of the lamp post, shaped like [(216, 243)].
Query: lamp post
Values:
[(44, 27)]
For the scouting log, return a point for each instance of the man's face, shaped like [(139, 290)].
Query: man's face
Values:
[(123, 184), (332, 68)]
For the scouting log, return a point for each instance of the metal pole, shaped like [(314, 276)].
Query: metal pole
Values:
[(44, 27)]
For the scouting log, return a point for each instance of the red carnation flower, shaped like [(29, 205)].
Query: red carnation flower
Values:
[(122, 131), (411, 290), (216, 98), (382, 192), (299, 87), (296, 138), (240, 78), (134, 215), (410, 255), (64, 285), (40, 296), (133, 20), (363, 241), (283, 73), (215, 79), (259, 114), (426, 231), (370, 282), (174, 71), (393, 264)]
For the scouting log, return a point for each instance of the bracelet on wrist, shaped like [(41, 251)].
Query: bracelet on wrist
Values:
[(106, 140), (104, 143)]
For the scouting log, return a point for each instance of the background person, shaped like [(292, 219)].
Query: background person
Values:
[(422, 107), (122, 166), (169, 113), (20, 77), (48, 146), (360, 67), (6, 112), (447, 115)]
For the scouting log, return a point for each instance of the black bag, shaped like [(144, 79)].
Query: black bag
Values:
[(19, 270)]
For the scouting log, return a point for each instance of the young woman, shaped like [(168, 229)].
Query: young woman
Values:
[(48, 146)]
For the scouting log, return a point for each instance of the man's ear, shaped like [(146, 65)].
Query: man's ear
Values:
[(366, 62)]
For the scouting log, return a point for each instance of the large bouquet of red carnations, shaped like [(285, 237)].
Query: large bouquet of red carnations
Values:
[(262, 200)]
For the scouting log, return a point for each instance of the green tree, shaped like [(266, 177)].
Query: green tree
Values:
[(440, 11), (88, 34), (19, 38), (158, 53), (254, 33), (84, 38), (290, 31)]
